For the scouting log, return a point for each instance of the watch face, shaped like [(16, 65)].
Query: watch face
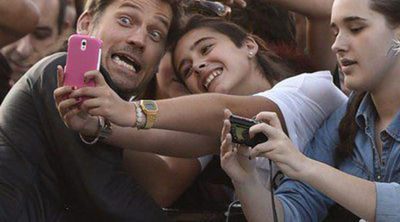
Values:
[(150, 106)]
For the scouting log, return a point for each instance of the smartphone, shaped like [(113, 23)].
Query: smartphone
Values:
[(240, 131), (84, 54)]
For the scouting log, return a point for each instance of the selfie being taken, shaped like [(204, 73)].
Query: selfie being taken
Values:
[(200, 110)]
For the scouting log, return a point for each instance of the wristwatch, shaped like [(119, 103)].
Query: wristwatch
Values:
[(150, 109)]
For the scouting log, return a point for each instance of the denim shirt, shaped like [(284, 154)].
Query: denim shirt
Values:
[(301, 202)]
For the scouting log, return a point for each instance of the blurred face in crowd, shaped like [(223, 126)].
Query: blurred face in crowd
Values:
[(209, 61), (167, 81), (134, 34), (363, 45), (24, 53)]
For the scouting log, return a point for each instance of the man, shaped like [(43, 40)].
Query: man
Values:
[(24, 53), (46, 172), (16, 20)]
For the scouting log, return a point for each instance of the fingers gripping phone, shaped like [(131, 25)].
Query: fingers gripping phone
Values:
[(84, 54), (240, 131)]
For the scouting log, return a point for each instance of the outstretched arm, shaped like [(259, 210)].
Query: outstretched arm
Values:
[(18, 18), (196, 114)]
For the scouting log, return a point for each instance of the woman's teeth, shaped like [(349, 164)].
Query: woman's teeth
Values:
[(120, 62), (211, 77)]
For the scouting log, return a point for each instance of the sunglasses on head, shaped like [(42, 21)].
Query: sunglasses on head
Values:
[(209, 8)]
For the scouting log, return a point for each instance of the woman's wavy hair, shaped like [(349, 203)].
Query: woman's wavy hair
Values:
[(272, 66), (390, 9)]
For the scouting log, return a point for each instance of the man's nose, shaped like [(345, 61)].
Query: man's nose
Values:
[(24, 48), (137, 38)]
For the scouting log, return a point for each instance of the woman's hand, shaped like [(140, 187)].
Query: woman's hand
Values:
[(103, 101), (279, 148), (235, 159), (68, 108)]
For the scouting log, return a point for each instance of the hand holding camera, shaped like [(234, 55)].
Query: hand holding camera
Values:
[(240, 131)]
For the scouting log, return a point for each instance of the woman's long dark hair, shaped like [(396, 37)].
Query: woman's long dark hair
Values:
[(390, 9), (272, 66)]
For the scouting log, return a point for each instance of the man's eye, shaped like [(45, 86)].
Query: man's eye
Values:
[(125, 21), (41, 34), (156, 36)]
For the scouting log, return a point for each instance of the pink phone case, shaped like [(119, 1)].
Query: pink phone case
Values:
[(84, 54)]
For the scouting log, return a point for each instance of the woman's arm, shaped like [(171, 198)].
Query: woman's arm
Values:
[(353, 193), (17, 19)]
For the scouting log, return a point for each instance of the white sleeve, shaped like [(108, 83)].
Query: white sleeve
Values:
[(305, 101)]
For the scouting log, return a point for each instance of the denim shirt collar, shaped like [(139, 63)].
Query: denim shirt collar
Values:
[(366, 115)]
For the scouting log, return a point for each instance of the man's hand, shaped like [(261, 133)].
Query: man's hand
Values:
[(103, 101), (68, 108)]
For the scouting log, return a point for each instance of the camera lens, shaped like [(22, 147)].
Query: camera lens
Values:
[(84, 43)]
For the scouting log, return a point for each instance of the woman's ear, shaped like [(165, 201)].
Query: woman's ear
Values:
[(84, 23), (251, 46)]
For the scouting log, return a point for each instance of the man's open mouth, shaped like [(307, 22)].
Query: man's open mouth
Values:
[(126, 61)]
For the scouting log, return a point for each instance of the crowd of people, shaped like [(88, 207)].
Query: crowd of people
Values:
[(319, 77)]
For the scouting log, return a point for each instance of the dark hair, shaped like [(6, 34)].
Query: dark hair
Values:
[(271, 23), (97, 7), (273, 67), (348, 127), (62, 6)]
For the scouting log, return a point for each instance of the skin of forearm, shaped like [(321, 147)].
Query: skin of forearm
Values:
[(204, 113), (256, 202), (353, 193)]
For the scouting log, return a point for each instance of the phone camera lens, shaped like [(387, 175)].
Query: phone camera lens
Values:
[(83, 43)]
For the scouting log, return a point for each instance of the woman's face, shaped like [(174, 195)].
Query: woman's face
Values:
[(209, 61), (362, 45)]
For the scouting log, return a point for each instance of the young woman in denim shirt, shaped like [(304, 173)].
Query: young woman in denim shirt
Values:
[(354, 158)]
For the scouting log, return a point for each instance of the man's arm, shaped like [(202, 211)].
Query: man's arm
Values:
[(17, 19)]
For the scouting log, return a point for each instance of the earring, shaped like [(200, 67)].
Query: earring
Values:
[(396, 46), (251, 54)]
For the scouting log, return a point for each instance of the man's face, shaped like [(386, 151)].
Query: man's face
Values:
[(134, 35), (24, 53)]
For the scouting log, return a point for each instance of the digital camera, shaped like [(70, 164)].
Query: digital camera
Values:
[(240, 131)]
